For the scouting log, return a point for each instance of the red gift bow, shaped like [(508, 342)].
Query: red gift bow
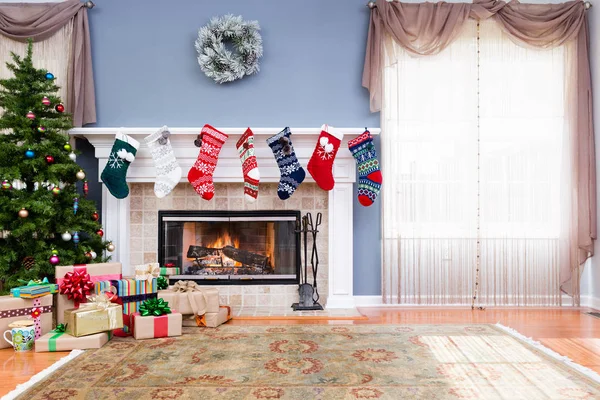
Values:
[(36, 312), (169, 265), (77, 286)]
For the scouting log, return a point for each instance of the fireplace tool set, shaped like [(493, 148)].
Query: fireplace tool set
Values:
[(309, 295)]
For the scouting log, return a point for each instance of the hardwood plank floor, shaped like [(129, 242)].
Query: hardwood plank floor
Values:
[(567, 331)]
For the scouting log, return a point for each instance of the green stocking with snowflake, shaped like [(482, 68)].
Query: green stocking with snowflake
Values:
[(121, 155)]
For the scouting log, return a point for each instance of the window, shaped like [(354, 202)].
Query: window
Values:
[(476, 162)]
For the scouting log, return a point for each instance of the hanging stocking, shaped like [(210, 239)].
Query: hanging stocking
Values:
[(201, 173), (320, 165), (292, 174), (369, 175), (121, 155), (168, 171), (245, 148)]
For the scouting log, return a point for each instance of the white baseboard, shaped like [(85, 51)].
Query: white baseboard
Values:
[(591, 302), (377, 301)]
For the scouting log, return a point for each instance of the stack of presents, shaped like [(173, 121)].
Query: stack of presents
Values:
[(94, 303)]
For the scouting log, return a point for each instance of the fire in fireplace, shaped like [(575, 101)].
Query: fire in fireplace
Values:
[(231, 247)]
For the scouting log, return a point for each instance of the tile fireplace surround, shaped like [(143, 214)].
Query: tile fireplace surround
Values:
[(131, 223)]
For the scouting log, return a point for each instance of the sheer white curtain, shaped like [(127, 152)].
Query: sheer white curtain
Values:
[(475, 157), (52, 54)]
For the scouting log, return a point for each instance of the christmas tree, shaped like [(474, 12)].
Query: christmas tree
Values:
[(44, 219)]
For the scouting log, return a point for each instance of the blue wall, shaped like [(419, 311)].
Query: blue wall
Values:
[(147, 75)]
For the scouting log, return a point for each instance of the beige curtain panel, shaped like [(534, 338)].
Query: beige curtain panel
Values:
[(39, 21), (427, 28)]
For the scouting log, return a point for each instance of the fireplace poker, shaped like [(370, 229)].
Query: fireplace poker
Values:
[(314, 258), (305, 232)]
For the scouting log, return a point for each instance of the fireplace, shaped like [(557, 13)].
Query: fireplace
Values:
[(231, 247)]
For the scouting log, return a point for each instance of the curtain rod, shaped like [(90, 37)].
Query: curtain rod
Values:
[(373, 5), (89, 4)]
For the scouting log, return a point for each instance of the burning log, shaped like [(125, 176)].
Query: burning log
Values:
[(209, 257), (245, 257)]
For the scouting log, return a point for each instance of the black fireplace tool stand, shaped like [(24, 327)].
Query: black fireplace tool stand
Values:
[(309, 295)]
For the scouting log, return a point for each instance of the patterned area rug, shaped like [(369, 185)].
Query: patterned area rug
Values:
[(319, 362)]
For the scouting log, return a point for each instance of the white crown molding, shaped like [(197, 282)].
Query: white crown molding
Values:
[(229, 167)]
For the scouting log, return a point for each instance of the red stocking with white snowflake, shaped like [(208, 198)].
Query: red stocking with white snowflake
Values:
[(320, 165), (201, 173)]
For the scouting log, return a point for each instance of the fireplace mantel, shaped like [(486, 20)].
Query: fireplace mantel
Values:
[(115, 213)]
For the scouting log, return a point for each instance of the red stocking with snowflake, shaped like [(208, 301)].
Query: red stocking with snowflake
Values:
[(320, 165)]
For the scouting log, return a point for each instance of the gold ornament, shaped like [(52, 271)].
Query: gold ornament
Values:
[(111, 247), (80, 175)]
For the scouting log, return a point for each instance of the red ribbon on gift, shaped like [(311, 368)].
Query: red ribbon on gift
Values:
[(161, 324), (77, 286)]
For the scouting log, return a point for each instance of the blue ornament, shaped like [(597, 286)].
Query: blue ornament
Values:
[(49, 76), (75, 205), (76, 238), (29, 153)]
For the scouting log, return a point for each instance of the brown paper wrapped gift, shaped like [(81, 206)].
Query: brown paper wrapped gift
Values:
[(56, 341), (188, 298), (94, 317), (14, 308), (98, 272), (156, 327), (212, 320)]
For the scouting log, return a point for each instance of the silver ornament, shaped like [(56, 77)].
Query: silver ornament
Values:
[(80, 175), (66, 236), (73, 156), (93, 254)]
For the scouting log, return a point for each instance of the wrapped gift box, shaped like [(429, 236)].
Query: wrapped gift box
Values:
[(212, 320), (205, 300), (13, 309), (34, 289), (167, 271), (147, 271), (156, 327), (58, 341), (132, 293), (98, 272), (89, 319)]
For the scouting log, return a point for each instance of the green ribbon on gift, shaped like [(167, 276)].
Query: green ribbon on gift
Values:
[(154, 307), (59, 331), (162, 283)]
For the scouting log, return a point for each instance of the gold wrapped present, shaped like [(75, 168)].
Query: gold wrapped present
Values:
[(95, 316)]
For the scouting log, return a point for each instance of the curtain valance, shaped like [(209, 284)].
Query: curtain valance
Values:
[(39, 21), (428, 28)]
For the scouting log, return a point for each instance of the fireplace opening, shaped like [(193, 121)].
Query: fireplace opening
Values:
[(231, 247)]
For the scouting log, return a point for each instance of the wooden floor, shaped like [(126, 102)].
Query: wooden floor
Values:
[(569, 332)]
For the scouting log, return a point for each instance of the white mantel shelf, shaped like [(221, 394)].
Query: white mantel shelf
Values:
[(228, 169), (115, 213)]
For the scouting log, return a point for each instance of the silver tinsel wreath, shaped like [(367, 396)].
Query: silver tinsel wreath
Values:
[(221, 64)]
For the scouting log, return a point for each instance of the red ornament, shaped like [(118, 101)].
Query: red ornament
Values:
[(49, 159), (88, 255), (77, 286), (100, 232), (86, 188), (60, 108), (95, 216)]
